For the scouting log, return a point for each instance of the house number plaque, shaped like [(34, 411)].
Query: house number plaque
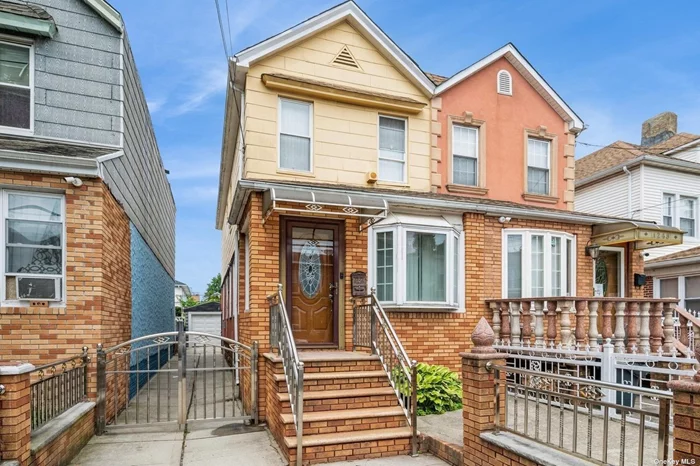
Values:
[(359, 284)]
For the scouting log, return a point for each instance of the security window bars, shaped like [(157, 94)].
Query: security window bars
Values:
[(465, 155), (34, 246), (15, 86), (538, 166), (295, 135), (392, 149)]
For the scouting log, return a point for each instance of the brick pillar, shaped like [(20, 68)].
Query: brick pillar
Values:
[(478, 395), (686, 418), (15, 423)]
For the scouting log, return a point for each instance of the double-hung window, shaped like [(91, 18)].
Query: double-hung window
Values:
[(680, 211), (538, 158), (465, 155), (295, 135), (686, 215), (668, 208), (34, 246), (392, 149), (417, 265), (16, 83), (538, 263)]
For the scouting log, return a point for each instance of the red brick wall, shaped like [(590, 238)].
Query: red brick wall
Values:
[(649, 287)]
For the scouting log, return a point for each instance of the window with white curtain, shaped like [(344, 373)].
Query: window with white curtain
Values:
[(16, 85), (686, 215), (538, 263), (34, 246), (538, 178), (392, 149), (295, 135), (681, 212), (414, 265), (465, 155), (669, 200)]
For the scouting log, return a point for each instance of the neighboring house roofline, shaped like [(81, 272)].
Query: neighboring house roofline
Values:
[(347, 11), (107, 12), (683, 147), (651, 160), (661, 262), (513, 55)]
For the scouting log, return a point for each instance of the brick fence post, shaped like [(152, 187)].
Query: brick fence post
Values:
[(478, 398), (15, 422), (686, 417)]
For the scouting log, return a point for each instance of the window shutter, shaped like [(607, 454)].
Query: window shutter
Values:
[(505, 84)]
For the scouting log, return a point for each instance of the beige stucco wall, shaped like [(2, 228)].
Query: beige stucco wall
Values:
[(344, 136)]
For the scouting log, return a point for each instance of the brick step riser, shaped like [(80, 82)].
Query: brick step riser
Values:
[(347, 425), (338, 384), (334, 404), (353, 451), (334, 366)]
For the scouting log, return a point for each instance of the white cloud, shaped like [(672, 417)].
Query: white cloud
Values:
[(155, 105), (209, 83)]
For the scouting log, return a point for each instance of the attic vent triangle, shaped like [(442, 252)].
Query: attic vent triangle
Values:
[(345, 58)]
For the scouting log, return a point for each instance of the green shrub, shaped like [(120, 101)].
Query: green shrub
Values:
[(439, 390)]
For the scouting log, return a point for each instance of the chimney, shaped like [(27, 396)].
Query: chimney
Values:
[(659, 128)]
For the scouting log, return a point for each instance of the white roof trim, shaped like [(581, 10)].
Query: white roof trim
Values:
[(107, 12), (574, 123), (683, 147), (345, 11)]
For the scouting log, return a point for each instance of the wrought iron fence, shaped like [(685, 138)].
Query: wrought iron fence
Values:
[(282, 339), (372, 329), (57, 387), (574, 415)]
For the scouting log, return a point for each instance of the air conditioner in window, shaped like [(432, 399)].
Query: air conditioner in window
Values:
[(38, 288)]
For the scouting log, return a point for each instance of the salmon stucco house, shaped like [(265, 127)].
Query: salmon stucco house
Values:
[(343, 162)]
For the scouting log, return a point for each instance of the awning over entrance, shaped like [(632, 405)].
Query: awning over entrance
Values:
[(643, 235), (307, 200)]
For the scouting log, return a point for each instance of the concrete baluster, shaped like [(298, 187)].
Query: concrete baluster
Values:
[(515, 323), (644, 327), (655, 327), (683, 330), (565, 323), (539, 323), (669, 339), (551, 322), (620, 326), (581, 323), (496, 310), (593, 324), (527, 323), (607, 321), (505, 323), (632, 325)]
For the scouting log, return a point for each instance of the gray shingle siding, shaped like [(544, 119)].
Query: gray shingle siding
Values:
[(87, 88)]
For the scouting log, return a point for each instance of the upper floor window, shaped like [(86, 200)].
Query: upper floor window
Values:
[(392, 149), (465, 155), (680, 211), (538, 157), (504, 83), (34, 246), (16, 83), (295, 135), (538, 263)]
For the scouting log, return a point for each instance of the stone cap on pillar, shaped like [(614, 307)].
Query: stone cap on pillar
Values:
[(16, 368), (482, 340)]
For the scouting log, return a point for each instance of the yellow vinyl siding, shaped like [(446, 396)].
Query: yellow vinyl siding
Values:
[(345, 136)]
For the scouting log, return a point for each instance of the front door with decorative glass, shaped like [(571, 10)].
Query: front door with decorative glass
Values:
[(311, 253)]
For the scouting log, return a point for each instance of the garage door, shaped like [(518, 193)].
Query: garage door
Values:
[(205, 322)]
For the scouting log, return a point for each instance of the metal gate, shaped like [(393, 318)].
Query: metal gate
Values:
[(176, 377)]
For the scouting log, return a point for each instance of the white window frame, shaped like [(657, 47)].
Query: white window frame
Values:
[(400, 232), (549, 166), (476, 158), (568, 263), (681, 288), (664, 205), (405, 152), (498, 82), (3, 251), (621, 272), (310, 105), (11, 129), (675, 211)]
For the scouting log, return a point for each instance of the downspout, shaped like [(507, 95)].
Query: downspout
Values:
[(629, 191)]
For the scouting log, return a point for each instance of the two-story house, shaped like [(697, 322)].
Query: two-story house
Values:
[(88, 250), (657, 180), (340, 155)]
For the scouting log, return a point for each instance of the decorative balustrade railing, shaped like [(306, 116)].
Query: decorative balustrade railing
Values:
[(372, 329), (572, 414), (642, 325), (687, 328), (282, 339), (57, 387)]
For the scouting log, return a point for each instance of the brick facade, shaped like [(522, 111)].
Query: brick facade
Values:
[(686, 420), (98, 279), (61, 450)]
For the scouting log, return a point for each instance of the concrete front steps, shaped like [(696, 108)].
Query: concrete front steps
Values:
[(350, 410)]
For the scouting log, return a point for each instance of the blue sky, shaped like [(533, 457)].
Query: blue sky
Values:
[(616, 63)]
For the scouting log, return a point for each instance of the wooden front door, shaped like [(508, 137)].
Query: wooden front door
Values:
[(312, 251)]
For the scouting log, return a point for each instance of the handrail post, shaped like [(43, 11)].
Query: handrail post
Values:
[(373, 323), (86, 361), (300, 413), (664, 421), (101, 389), (414, 408), (182, 374), (497, 400), (254, 381)]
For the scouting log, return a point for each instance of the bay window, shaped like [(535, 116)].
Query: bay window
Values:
[(16, 86), (34, 246), (417, 265), (538, 263)]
